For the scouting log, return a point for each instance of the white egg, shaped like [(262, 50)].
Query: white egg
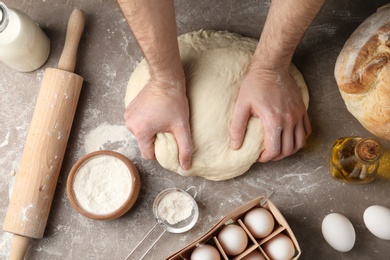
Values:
[(377, 220), (280, 247), (254, 255), (233, 239), (205, 252), (338, 232), (259, 222)]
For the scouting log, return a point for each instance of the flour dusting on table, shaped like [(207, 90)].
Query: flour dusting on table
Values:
[(5, 244), (111, 137)]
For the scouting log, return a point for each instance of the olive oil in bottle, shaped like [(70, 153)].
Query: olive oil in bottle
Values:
[(355, 159)]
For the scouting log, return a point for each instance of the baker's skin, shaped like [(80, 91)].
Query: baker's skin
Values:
[(267, 91)]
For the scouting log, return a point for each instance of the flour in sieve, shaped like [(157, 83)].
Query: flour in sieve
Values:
[(102, 184), (175, 207)]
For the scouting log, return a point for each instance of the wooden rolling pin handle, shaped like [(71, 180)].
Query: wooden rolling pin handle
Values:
[(73, 35), (19, 246), (45, 146)]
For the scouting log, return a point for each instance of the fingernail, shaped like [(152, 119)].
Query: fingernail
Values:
[(185, 165), (233, 145)]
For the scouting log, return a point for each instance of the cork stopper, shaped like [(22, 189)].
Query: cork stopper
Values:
[(369, 150)]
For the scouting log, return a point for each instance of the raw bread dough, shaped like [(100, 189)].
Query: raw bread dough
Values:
[(214, 63)]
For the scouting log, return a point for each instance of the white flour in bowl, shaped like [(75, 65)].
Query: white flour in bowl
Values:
[(102, 184)]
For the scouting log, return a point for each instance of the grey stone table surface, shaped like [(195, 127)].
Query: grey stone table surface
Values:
[(302, 188)]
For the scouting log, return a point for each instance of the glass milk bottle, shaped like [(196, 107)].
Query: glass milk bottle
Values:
[(355, 159), (23, 45)]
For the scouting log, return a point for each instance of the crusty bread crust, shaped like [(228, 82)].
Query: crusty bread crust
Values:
[(364, 53), (362, 72)]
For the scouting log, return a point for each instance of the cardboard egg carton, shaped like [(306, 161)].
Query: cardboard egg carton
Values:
[(236, 217)]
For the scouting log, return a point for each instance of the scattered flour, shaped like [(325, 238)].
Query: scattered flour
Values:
[(102, 184), (112, 137), (5, 245)]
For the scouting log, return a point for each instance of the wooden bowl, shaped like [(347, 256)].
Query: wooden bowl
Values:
[(80, 205)]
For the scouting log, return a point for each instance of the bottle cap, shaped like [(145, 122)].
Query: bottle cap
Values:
[(4, 16), (369, 150)]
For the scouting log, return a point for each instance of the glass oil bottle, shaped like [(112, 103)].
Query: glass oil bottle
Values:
[(355, 159)]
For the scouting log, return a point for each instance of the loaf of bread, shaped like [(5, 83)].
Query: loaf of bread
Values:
[(362, 72)]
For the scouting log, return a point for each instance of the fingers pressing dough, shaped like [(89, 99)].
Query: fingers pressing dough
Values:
[(214, 64)]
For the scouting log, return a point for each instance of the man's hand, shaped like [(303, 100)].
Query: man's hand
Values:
[(162, 105), (268, 91), (274, 97), (159, 108)]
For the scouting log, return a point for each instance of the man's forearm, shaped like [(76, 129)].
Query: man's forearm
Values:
[(153, 24), (286, 23)]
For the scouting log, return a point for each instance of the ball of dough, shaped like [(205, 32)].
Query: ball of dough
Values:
[(214, 64), (362, 72)]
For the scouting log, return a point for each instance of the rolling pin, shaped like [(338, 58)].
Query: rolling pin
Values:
[(45, 146)]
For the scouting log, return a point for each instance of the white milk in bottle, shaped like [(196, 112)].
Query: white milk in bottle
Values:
[(23, 45)]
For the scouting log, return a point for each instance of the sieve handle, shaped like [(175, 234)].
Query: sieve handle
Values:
[(142, 240)]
